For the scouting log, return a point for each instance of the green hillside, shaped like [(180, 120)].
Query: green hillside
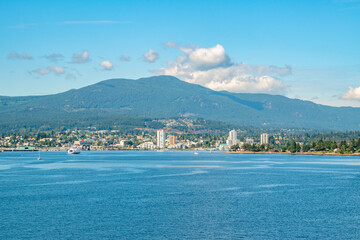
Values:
[(166, 96)]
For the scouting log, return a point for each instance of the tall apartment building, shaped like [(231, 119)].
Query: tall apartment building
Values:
[(160, 138), (232, 139), (172, 140), (264, 138)]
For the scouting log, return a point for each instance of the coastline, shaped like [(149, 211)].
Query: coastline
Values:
[(296, 153), (182, 150)]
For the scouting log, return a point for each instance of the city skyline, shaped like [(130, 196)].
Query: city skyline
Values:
[(305, 50)]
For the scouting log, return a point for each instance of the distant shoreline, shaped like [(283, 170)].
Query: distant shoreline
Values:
[(185, 150), (296, 153)]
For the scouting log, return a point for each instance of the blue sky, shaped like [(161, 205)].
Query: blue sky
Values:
[(302, 49)]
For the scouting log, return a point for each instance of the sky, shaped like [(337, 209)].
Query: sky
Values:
[(301, 49)]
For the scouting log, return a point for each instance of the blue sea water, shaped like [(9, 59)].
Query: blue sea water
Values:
[(178, 195)]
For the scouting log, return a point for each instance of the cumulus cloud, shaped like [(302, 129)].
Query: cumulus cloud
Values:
[(107, 65), (55, 57), (81, 58), (151, 56), (352, 94), (15, 55), (57, 70), (125, 58), (208, 58), (213, 68)]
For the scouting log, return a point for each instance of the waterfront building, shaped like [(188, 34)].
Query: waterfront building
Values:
[(264, 138), (232, 139), (160, 137), (172, 140), (146, 145)]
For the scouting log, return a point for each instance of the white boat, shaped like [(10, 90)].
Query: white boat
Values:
[(196, 153), (39, 158), (74, 150)]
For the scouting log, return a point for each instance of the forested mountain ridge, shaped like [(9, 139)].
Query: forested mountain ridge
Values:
[(166, 96)]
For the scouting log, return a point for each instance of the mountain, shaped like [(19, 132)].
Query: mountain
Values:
[(166, 96)]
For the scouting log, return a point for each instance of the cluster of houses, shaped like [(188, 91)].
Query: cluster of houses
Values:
[(171, 143), (233, 140), (112, 140)]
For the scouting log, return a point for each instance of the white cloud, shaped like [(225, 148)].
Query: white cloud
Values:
[(151, 56), (48, 70), (213, 68), (125, 58), (15, 55), (41, 71), (171, 44), (81, 58), (207, 58), (107, 65), (352, 94), (57, 70)]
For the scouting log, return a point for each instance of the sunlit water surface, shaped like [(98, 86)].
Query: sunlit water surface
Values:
[(178, 195)]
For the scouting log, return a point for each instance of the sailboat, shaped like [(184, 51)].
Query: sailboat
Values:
[(39, 158)]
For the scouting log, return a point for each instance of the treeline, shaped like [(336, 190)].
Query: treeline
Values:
[(12, 124), (73, 121), (342, 147)]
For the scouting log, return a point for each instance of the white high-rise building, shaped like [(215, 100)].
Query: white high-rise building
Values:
[(232, 139), (264, 138), (160, 138)]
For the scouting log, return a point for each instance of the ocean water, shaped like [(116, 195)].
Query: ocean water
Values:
[(178, 195)]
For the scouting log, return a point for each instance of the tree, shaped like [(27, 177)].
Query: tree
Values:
[(292, 147), (333, 145), (234, 147), (320, 146), (306, 148)]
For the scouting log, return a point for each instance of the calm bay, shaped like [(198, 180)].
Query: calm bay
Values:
[(178, 195)]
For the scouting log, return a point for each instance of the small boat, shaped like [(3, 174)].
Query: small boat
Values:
[(39, 158), (196, 153), (74, 150)]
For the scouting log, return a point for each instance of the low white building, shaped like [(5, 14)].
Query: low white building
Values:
[(147, 145), (177, 146)]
